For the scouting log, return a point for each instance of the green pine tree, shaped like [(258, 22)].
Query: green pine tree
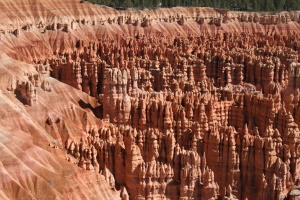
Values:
[(268, 5), (127, 4)]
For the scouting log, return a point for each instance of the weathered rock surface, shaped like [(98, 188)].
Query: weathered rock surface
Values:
[(181, 103)]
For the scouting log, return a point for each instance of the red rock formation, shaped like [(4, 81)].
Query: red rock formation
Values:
[(194, 103), (175, 114)]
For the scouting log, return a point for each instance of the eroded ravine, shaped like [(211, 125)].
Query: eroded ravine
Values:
[(182, 103)]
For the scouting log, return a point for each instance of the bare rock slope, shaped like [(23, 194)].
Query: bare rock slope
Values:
[(181, 103)]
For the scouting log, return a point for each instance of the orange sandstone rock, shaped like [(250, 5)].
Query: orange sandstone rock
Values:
[(181, 103)]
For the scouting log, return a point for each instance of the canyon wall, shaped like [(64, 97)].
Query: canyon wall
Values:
[(180, 103), (184, 114)]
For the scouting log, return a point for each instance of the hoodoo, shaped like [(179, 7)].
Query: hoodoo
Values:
[(166, 103)]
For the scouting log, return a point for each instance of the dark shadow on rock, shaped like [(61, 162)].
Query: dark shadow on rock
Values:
[(173, 190), (98, 111), (20, 97)]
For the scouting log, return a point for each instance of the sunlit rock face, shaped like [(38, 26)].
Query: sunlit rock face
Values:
[(180, 103)]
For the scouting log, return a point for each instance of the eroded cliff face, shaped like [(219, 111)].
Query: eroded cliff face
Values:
[(181, 103), (197, 117)]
